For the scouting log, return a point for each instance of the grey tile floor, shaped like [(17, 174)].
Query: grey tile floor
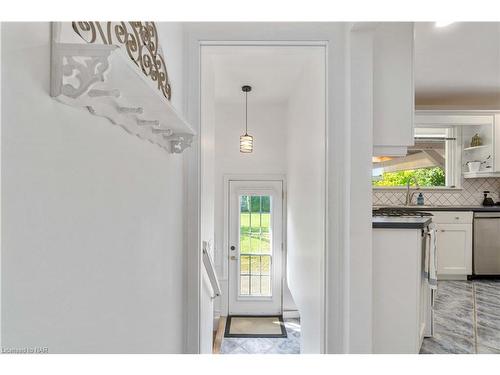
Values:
[(466, 318), (289, 345)]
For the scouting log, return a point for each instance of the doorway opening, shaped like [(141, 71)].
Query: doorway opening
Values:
[(264, 211)]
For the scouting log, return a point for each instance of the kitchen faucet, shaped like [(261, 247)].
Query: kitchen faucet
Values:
[(409, 196)]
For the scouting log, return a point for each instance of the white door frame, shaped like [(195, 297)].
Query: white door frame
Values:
[(227, 234), (225, 251), (337, 267)]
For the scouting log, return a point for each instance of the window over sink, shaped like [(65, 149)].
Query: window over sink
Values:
[(434, 161)]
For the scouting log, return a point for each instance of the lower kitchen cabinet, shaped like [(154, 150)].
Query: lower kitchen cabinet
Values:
[(453, 244), (454, 250)]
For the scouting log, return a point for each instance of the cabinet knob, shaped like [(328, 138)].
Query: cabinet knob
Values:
[(457, 218)]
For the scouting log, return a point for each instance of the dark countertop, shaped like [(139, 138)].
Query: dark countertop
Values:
[(447, 208), (401, 222)]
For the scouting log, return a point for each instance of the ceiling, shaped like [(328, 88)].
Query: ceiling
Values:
[(272, 71), (458, 64)]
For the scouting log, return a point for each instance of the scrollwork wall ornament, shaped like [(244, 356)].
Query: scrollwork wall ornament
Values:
[(140, 40)]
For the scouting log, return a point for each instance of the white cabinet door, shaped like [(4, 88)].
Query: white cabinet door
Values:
[(454, 249), (393, 88)]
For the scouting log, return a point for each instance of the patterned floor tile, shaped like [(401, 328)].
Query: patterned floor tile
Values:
[(488, 313), (453, 320), (466, 318), (481, 349)]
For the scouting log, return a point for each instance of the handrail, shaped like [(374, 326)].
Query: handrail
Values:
[(212, 275)]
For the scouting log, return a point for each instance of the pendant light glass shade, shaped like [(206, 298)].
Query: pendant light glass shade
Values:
[(246, 141)]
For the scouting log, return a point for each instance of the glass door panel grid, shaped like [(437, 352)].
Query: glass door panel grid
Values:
[(255, 245)]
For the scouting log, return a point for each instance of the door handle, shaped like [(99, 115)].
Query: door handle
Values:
[(233, 257)]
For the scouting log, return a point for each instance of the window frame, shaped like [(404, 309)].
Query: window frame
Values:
[(453, 156)]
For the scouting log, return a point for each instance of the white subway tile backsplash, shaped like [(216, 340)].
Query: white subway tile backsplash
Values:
[(471, 194)]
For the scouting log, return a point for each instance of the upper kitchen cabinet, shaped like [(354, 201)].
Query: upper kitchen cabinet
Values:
[(393, 88)]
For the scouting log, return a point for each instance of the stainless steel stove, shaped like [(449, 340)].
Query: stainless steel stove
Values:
[(398, 212)]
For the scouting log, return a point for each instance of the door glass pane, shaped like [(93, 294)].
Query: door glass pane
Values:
[(244, 265), (255, 286), (245, 285), (265, 283), (255, 261), (265, 265), (255, 245), (265, 245)]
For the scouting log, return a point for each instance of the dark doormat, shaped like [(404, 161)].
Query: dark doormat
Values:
[(271, 326)]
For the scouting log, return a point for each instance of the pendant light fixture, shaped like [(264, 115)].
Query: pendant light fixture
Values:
[(246, 141)]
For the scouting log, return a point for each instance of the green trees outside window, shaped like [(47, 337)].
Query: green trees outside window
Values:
[(425, 176)]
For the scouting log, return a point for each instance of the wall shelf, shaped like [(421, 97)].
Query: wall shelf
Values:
[(481, 174), (105, 81), (475, 148)]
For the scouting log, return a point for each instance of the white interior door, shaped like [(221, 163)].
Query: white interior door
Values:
[(255, 247)]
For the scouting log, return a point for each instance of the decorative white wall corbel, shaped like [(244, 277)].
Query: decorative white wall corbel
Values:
[(76, 67)]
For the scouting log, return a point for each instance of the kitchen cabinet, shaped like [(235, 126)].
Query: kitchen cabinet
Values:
[(454, 244), (382, 84), (393, 88), (454, 250)]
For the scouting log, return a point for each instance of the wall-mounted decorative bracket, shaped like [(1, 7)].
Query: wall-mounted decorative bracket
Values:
[(103, 79)]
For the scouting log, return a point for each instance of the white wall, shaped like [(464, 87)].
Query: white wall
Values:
[(361, 147), (267, 124), (305, 200), (207, 135), (92, 220), (171, 39)]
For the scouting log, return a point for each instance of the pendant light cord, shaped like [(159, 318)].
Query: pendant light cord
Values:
[(246, 113)]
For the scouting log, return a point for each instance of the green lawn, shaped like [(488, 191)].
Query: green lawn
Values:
[(258, 220), (254, 233), (255, 239)]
